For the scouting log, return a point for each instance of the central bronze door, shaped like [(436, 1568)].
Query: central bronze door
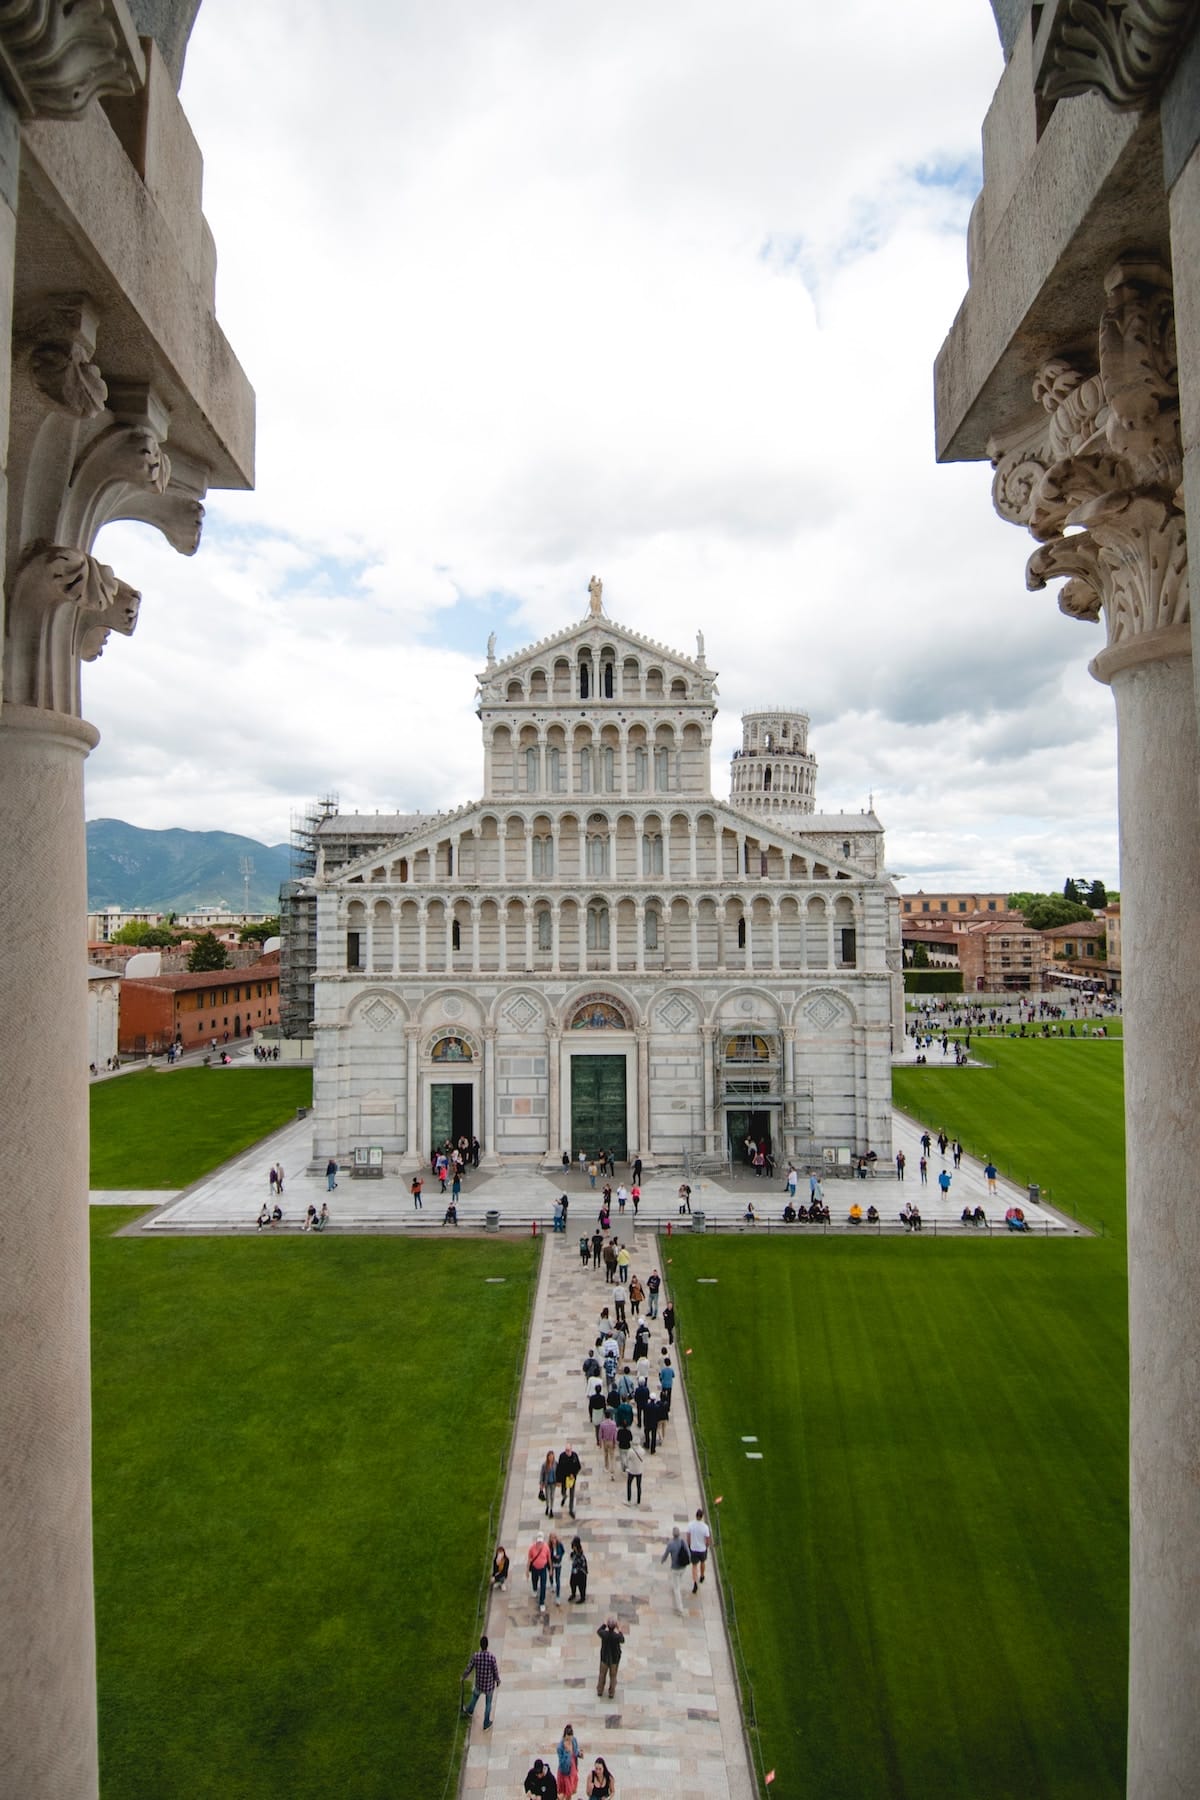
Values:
[(598, 1105)]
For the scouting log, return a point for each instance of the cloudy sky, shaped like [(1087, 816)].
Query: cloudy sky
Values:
[(531, 290)]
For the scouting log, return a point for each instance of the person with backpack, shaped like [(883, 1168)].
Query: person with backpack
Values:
[(568, 1753), (679, 1557), (579, 1573)]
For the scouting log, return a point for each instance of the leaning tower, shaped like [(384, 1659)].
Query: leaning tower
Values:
[(773, 773)]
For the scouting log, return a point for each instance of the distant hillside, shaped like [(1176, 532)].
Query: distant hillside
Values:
[(174, 871)]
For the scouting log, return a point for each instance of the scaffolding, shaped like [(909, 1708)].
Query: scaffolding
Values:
[(298, 921)]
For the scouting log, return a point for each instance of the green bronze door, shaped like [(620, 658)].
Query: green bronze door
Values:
[(441, 1113), (598, 1105)]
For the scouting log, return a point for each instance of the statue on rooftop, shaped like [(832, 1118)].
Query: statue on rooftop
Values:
[(595, 594)]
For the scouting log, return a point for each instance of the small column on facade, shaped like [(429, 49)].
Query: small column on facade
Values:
[(411, 1037), (449, 933), (529, 917), (368, 953), (643, 1084), (396, 906), (775, 963), (555, 852), (623, 753), (694, 930), (614, 932), (475, 937), (1094, 471), (422, 935), (488, 1097), (502, 933), (692, 848), (553, 1082), (639, 926), (708, 1038), (555, 923), (501, 851), (790, 1130)]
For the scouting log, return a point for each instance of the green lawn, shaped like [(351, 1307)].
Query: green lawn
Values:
[(297, 1442), (1049, 1110), (929, 1563), (166, 1128)]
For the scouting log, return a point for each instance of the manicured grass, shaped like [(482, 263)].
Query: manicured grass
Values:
[(1049, 1110), (929, 1564), (297, 1442), (166, 1128)]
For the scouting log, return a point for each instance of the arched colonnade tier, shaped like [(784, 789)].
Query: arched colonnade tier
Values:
[(564, 756), (595, 672), (498, 846), (549, 932)]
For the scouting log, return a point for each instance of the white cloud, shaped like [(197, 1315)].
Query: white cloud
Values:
[(532, 290)]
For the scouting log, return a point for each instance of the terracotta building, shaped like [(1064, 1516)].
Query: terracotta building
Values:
[(223, 1004)]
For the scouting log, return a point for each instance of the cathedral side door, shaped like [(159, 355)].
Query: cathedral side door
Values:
[(598, 1105), (451, 1112)]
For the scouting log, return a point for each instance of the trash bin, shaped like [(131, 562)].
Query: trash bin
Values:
[(697, 1221), (1035, 1194), (493, 1219), (302, 1112)]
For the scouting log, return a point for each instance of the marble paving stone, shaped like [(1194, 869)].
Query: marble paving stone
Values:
[(676, 1709)]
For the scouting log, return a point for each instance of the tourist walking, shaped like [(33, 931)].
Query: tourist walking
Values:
[(699, 1538), (568, 1754), (415, 1191), (678, 1557), (547, 1477), (611, 1639), (653, 1289), (579, 1573), (486, 1679), (537, 1561), (668, 1320), (567, 1472), (331, 1173)]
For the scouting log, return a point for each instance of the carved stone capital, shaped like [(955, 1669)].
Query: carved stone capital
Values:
[(1122, 49), (1095, 471), (62, 343), (62, 606), (58, 56)]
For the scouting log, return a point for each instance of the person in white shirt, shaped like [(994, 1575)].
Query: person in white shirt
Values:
[(699, 1538)]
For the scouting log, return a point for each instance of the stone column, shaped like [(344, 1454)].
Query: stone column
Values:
[(623, 752), (639, 926), (1095, 474), (708, 1039), (555, 922), (614, 925), (501, 851), (643, 1083), (774, 937), (694, 929), (529, 910), (422, 935), (396, 905), (789, 1091), (474, 937), (554, 1078), (47, 1644), (368, 950), (488, 1097), (692, 847), (502, 934), (411, 1035)]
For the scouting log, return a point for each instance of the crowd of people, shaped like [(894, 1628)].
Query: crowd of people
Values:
[(628, 1385)]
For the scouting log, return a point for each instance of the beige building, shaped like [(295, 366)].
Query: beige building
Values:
[(955, 906), (1074, 368)]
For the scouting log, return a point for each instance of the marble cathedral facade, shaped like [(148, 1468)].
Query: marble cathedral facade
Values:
[(599, 952)]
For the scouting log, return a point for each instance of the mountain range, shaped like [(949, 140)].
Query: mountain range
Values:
[(176, 870)]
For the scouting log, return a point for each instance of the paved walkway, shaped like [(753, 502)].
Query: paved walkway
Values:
[(674, 1727)]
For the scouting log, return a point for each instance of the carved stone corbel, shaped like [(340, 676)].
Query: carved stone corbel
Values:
[(1095, 474)]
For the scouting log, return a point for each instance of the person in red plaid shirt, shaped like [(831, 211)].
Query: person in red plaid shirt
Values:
[(484, 1669)]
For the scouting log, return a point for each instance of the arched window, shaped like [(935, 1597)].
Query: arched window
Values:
[(662, 770), (597, 926), (585, 771), (543, 855), (607, 771), (607, 688), (741, 934), (766, 781), (641, 770), (597, 853), (455, 935), (545, 929), (652, 928), (532, 771), (652, 853), (585, 676), (555, 772)]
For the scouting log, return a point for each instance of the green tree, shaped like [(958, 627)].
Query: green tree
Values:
[(258, 934), (920, 957), (1051, 909), (135, 932), (206, 953), (1097, 896), (1071, 891)]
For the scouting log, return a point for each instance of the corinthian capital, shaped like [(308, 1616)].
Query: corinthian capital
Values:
[(62, 606), (1094, 471), (1122, 49), (60, 55)]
